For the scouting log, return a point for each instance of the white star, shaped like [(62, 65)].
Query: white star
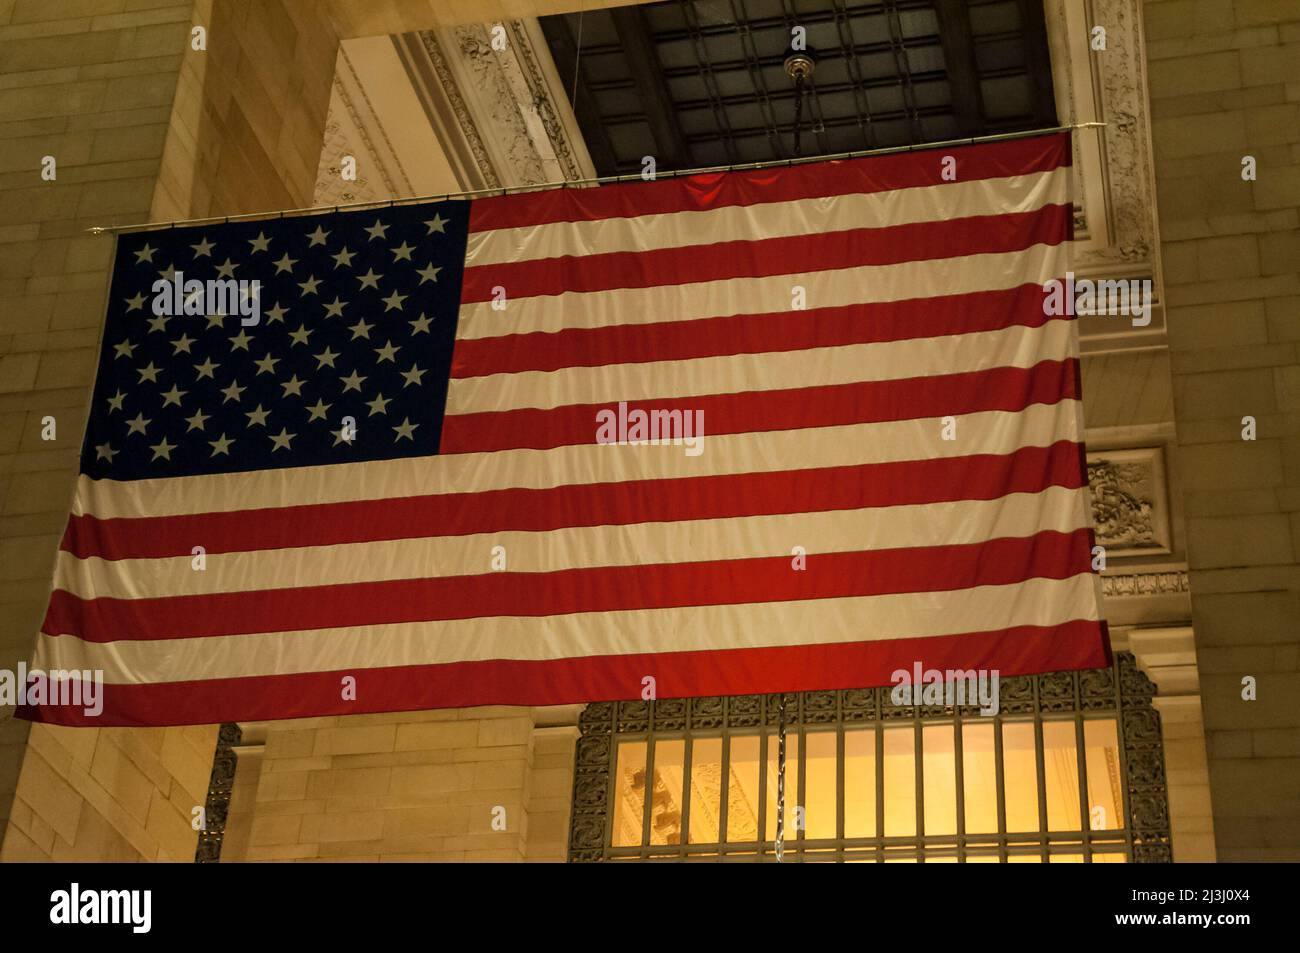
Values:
[(203, 249), (394, 300), (227, 270), (318, 410), (352, 382), (260, 243), (318, 237), (387, 353), (221, 445), (369, 279), (105, 452), (240, 340), (232, 392), (196, 422), (377, 230), (343, 258), (361, 330), (266, 365), (428, 273), (257, 418), (182, 343), (205, 369), (124, 348), (300, 336), (285, 263), (158, 324), (162, 449), (293, 386), (405, 429), (402, 251), (115, 402), (309, 286), (276, 314), (173, 396), (335, 310), (379, 405), (145, 254), (325, 357), (413, 376), (420, 324), (282, 439), (135, 304), (149, 373), (138, 424), (435, 224)]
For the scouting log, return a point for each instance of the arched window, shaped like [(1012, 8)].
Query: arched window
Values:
[(1070, 770)]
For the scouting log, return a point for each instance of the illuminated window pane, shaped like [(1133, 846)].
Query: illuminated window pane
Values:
[(706, 790), (819, 785), (629, 794), (1109, 859), (1102, 760), (860, 782), (742, 795), (900, 782), (1020, 774), (979, 778), (939, 760), (1061, 775), (791, 783), (1024, 859), (666, 793)]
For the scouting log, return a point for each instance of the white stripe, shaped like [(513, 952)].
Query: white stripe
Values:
[(822, 289), (1015, 346), (994, 432), (1042, 602), (915, 525), (809, 216)]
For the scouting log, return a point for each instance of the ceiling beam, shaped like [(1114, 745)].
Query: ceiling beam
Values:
[(660, 112)]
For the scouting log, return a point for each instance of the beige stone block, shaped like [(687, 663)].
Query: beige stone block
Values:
[(18, 372), (50, 796), (273, 829), (443, 820), (432, 779), (283, 786), (1201, 73), (319, 828), (448, 734), (281, 743), (515, 730), (353, 782), (363, 739)]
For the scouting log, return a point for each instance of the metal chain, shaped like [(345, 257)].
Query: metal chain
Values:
[(780, 779)]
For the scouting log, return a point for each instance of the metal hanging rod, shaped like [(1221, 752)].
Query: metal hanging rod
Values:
[(599, 180)]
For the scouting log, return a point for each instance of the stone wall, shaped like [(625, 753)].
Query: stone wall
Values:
[(1225, 84)]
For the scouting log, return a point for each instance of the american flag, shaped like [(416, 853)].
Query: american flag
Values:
[(388, 494)]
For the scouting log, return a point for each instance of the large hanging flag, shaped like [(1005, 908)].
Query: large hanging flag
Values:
[(782, 429)]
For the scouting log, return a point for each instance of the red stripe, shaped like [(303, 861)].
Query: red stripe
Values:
[(751, 187), (1048, 555), (1018, 651), (775, 331), (831, 405), (799, 254), (977, 477)]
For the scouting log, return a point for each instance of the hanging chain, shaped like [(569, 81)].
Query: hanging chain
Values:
[(798, 128), (780, 779)]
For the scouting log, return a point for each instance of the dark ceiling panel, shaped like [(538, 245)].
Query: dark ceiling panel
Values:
[(700, 82)]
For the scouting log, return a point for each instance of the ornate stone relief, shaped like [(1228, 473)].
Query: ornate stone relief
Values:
[(509, 108), (353, 128), (1129, 505), (220, 786)]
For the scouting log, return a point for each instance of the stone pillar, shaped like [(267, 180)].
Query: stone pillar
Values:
[(1225, 85)]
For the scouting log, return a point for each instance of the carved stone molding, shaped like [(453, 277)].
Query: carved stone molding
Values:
[(495, 91), (1145, 584), (353, 128)]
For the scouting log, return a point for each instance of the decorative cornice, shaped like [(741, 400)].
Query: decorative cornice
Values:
[(220, 786), (1170, 583)]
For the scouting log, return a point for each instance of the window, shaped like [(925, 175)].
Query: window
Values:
[(1070, 770)]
